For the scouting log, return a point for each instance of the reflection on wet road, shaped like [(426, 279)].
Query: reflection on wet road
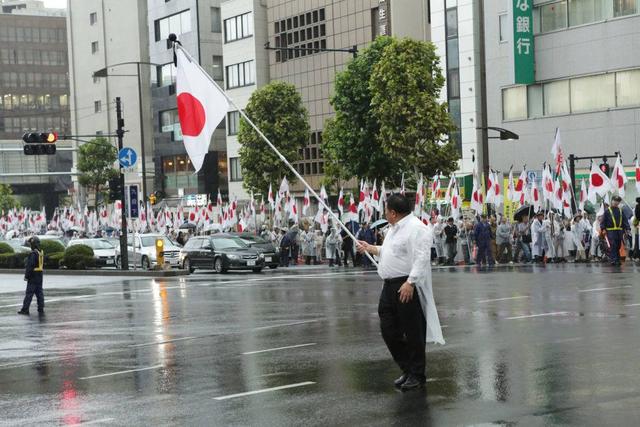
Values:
[(525, 346)]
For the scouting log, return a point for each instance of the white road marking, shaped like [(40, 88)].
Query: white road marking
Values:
[(103, 420), (121, 372), (567, 340), (286, 324), (266, 390), (605, 289), (163, 342), (502, 299), (632, 305), (279, 348), (557, 313)]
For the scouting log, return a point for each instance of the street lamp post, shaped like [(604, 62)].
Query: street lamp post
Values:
[(105, 73)]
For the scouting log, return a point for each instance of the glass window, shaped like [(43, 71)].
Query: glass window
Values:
[(452, 22), (628, 88), (534, 101), (624, 7), (453, 83), (97, 106), (504, 26), (593, 93), (453, 54), (166, 74), (216, 25), (556, 98), (217, 72), (235, 173), (93, 18), (233, 122), (94, 48), (554, 16), (179, 23), (514, 103), (238, 27)]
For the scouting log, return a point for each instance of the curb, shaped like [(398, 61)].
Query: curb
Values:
[(108, 273)]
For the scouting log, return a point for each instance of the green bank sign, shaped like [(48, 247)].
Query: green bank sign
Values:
[(523, 53)]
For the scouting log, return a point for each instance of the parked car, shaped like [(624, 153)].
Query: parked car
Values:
[(58, 239), (222, 252), (143, 253), (17, 245), (104, 252), (271, 255)]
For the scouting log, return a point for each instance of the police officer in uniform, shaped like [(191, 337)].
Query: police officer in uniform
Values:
[(616, 224), (33, 276)]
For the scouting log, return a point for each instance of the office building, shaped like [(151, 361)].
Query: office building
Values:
[(198, 25), (34, 97), (111, 36)]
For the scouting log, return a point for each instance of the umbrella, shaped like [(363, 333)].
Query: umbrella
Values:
[(188, 226), (213, 227), (525, 210), (51, 233), (379, 223)]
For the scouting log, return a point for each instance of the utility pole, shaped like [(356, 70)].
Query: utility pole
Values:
[(124, 255)]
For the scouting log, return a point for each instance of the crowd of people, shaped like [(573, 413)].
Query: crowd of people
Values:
[(546, 237)]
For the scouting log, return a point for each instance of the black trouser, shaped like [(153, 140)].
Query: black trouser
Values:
[(348, 253), (403, 328), (34, 286)]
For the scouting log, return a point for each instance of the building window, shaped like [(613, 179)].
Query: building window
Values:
[(233, 122), (93, 18), (238, 27), (587, 11), (235, 172), (535, 101), (452, 22), (94, 47), (180, 23), (217, 72), (514, 103), (625, 7), (216, 25), (556, 98), (97, 106), (453, 74), (239, 75), (593, 93), (166, 74), (553, 16), (503, 21), (170, 122), (628, 88)]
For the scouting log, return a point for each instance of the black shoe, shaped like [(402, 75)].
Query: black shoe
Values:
[(26, 313), (412, 383), (401, 380), (41, 312)]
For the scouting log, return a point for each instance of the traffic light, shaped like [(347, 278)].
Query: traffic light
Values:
[(604, 167), (152, 198), (39, 143), (115, 189)]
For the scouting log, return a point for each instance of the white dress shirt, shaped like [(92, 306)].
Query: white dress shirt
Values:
[(406, 250)]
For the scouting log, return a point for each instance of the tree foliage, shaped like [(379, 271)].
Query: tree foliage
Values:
[(388, 119), (7, 199), (277, 110), (95, 164)]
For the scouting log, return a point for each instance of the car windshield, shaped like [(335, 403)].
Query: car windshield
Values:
[(151, 241), (94, 244), (253, 239), (228, 243)]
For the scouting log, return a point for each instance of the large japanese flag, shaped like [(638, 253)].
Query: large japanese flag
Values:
[(201, 107)]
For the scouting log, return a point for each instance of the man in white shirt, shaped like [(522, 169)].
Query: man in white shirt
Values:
[(407, 294)]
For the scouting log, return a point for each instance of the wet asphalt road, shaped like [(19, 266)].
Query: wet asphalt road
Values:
[(533, 346)]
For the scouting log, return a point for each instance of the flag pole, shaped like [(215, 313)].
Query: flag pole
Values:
[(177, 45)]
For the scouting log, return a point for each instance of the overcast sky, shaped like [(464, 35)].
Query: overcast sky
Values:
[(55, 3)]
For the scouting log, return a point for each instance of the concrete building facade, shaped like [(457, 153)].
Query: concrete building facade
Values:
[(587, 78), (106, 34), (198, 25), (244, 25), (34, 97)]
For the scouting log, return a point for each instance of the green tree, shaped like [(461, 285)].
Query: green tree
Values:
[(277, 110), (7, 199), (95, 164), (405, 86), (351, 147)]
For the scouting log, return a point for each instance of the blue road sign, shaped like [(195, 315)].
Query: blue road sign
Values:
[(127, 157), (133, 201)]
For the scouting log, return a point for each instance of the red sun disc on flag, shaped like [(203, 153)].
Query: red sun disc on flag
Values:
[(596, 180), (620, 181), (192, 114)]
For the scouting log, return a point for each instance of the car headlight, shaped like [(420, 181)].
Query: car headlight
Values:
[(231, 256), (261, 256)]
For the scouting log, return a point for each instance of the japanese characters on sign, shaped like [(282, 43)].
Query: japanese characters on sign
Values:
[(523, 52), (384, 18)]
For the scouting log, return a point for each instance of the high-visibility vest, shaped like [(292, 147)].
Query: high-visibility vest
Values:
[(40, 265), (616, 225)]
